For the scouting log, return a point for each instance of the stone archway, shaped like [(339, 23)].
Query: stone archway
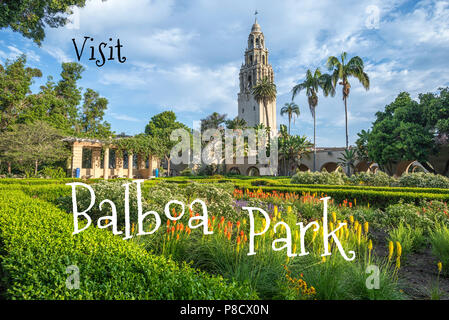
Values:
[(362, 166), (234, 170), (330, 166), (253, 171)]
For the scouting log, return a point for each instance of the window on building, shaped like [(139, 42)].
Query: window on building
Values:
[(125, 159), (243, 110), (135, 164), (263, 59), (102, 159), (254, 108), (86, 156), (112, 159), (250, 59), (147, 162)]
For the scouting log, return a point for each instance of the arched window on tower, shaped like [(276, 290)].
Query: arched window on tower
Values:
[(263, 59), (249, 82), (257, 42), (250, 59)]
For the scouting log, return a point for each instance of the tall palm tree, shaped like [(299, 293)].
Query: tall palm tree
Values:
[(265, 91), (291, 109), (312, 83), (342, 70)]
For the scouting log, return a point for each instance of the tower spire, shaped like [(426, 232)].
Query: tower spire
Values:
[(255, 16)]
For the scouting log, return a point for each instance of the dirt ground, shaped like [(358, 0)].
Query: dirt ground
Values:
[(418, 273)]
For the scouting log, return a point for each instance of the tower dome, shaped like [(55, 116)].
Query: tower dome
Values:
[(256, 27)]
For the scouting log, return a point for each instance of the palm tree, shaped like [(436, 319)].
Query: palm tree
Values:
[(291, 109), (265, 91), (213, 121), (342, 70), (312, 83), (348, 158), (292, 148), (236, 123)]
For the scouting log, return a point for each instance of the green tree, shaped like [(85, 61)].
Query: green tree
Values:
[(265, 91), (28, 145), (343, 70), (236, 123), (93, 110), (312, 83), (68, 90), (15, 82), (292, 148), (160, 127), (401, 133), (30, 17), (362, 141), (290, 109), (213, 121)]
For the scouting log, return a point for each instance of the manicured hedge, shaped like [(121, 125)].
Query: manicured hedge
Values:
[(376, 198), (36, 247), (349, 187)]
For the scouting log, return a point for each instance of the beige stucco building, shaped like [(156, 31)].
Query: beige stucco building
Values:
[(97, 159)]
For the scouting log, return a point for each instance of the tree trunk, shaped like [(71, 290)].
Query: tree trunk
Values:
[(289, 120), (314, 141), (9, 167), (347, 136), (36, 162), (168, 165), (446, 168)]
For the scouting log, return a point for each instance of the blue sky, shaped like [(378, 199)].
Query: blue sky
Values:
[(185, 56)]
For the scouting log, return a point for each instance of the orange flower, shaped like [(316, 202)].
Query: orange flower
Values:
[(238, 240)]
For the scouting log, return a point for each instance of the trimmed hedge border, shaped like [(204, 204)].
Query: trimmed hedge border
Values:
[(377, 198), (37, 246)]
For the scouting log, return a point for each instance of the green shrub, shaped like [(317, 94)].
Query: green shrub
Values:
[(37, 246), (333, 178), (187, 172), (105, 189), (411, 239), (439, 238), (423, 180), (54, 173)]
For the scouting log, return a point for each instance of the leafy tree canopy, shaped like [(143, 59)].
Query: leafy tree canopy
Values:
[(30, 17)]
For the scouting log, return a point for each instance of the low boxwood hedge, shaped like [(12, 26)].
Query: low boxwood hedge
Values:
[(36, 247), (373, 197)]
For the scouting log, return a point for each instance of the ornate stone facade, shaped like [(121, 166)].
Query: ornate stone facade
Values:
[(254, 69)]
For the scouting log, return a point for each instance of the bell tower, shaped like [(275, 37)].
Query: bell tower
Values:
[(253, 70)]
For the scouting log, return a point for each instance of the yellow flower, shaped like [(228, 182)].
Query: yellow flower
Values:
[(398, 262), (289, 209), (275, 211), (351, 219), (390, 250), (370, 245), (366, 227), (440, 266), (323, 259), (399, 249), (334, 216)]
